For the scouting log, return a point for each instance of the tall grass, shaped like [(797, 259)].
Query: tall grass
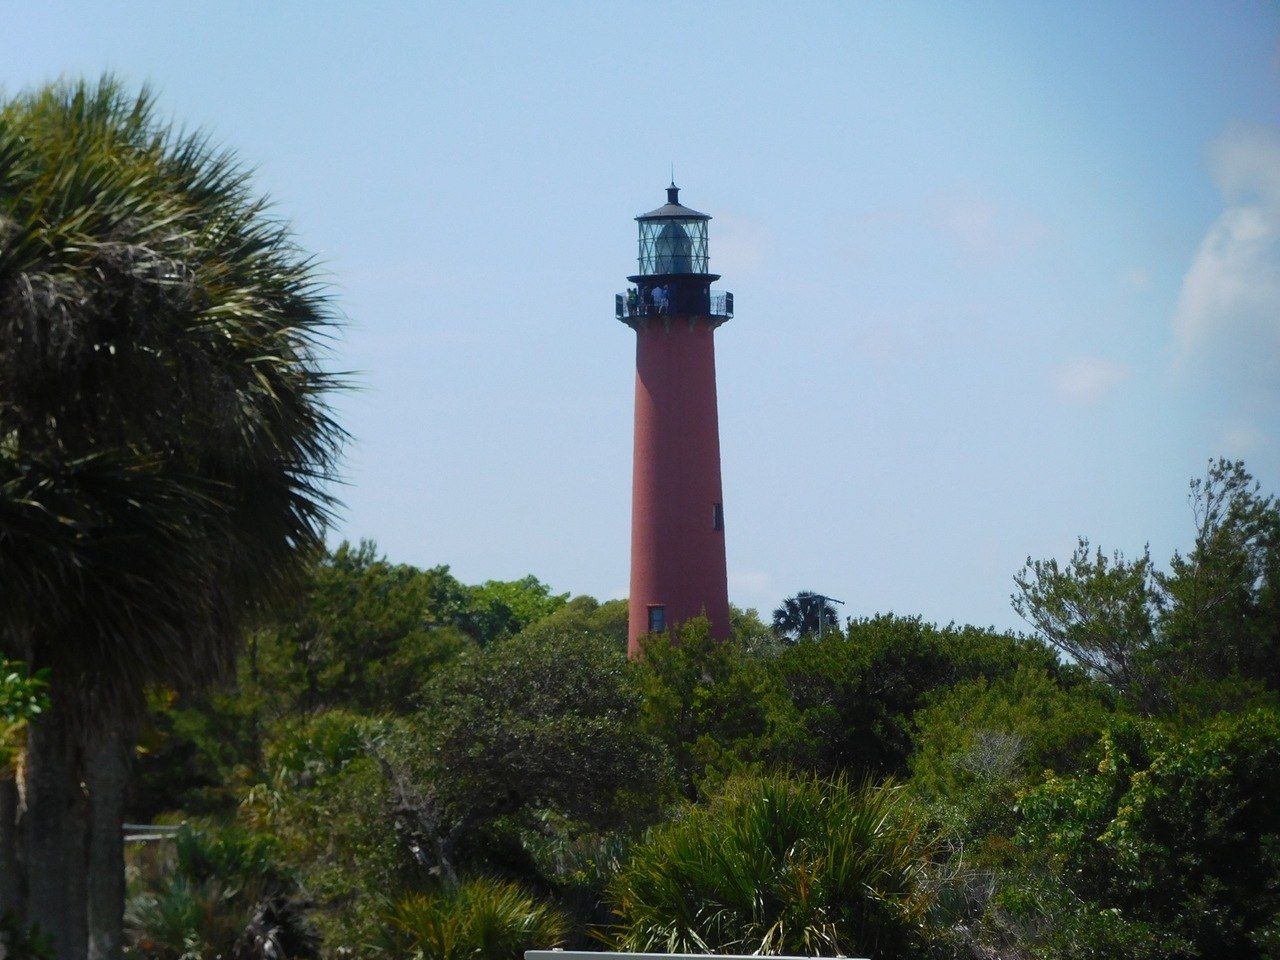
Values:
[(777, 865)]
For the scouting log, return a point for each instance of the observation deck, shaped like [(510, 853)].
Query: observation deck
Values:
[(642, 304)]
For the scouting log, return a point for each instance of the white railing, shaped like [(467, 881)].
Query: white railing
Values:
[(144, 832)]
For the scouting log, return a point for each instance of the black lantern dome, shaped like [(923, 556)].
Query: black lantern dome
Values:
[(673, 278)]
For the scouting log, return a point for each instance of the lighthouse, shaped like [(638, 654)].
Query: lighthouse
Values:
[(677, 506)]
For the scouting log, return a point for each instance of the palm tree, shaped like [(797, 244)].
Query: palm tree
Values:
[(805, 614), (165, 448), (781, 865), (479, 919)]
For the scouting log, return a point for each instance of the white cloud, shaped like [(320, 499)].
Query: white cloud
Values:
[(1227, 322), (1088, 380)]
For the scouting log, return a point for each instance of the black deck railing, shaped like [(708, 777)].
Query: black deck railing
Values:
[(630, 305)]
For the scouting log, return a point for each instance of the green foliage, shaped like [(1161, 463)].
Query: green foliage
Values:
[(715, 708), (1221, 618), (240, 860), (539, 723), (363, 636), (198, 904), (534, 736), (980, 742), (584, 615), (780, 866), (165, 448), (1203, 636), (324, 799), (21, 942), (195, 752), (857, 692), (538, 756), (496, 609), (576, 864), (167, 454), (185, 920), (1101, 612), (480, 919), (23, 696), (1175, 833), (753, 635)]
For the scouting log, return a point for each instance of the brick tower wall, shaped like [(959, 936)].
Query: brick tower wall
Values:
[(677, 551)]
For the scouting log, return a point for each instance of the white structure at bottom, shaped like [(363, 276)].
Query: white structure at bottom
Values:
[(609, 955)]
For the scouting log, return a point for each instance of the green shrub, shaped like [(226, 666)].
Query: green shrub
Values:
[(21, 942), (780, 866), (979, 743), (481, 919), (1177, 835), (197, 902), (857, 693), (185, 919), (717, 709), (327, 804)]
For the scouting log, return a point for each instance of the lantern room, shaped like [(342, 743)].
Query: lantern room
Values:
[(673, 262), (673, 238)]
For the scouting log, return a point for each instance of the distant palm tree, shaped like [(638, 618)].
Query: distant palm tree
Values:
[(165, 449), (805, 614)]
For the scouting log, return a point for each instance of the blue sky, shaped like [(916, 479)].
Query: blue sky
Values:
[(1005, 273)]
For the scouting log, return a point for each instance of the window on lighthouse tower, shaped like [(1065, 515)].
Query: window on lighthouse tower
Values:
[(657, 619)]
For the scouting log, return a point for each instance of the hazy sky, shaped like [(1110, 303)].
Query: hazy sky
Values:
[(1005, 273)]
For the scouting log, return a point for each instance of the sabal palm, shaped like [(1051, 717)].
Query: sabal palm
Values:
[(165, 446), (480, 919), (803, 615), (776, 865)]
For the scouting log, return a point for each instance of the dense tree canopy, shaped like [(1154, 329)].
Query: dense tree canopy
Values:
[(715, 707), (857, 692), (363, 635)]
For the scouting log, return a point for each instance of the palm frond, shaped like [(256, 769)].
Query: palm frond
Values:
[(167, 452)]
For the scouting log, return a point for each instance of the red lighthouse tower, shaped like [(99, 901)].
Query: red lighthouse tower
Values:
[(677, 508)]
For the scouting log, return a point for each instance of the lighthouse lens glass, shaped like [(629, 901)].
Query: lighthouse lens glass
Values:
[(673, 246)]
